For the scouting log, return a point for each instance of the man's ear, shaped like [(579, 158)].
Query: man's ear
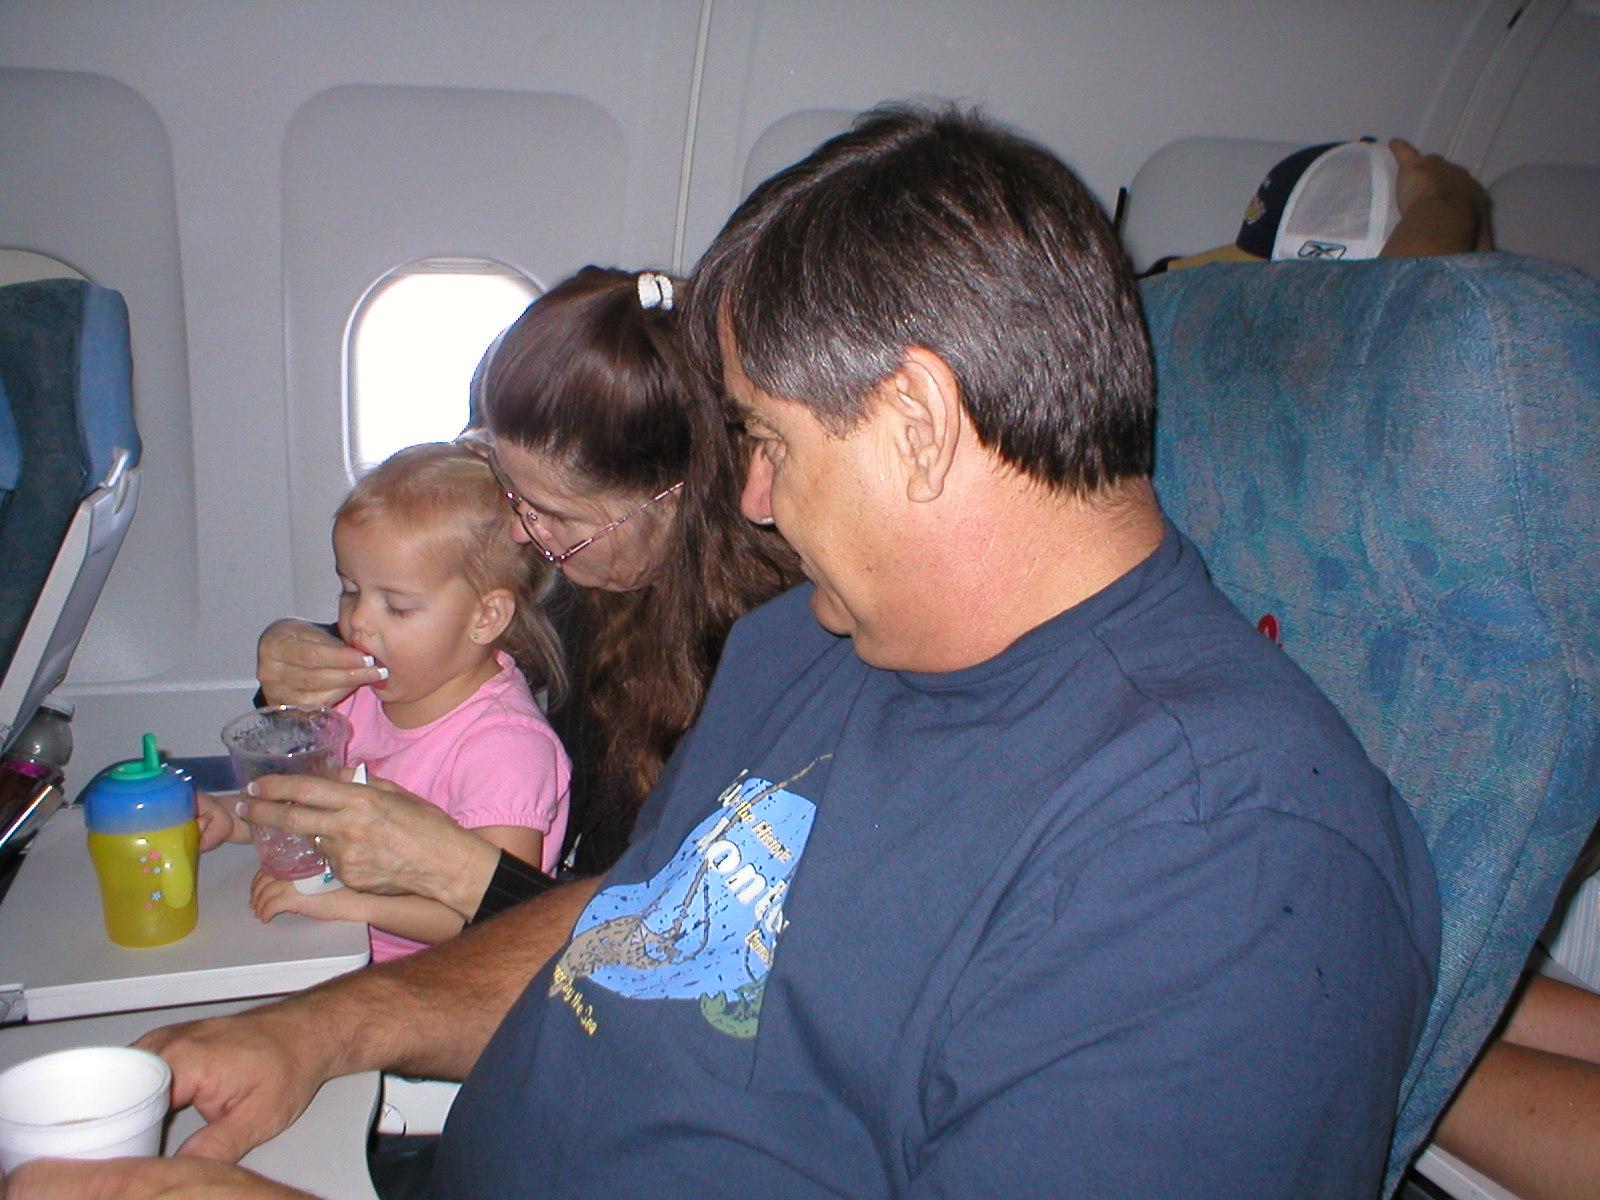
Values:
[(495, 610), (928, 419)]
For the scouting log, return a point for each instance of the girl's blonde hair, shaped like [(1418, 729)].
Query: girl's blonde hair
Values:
[(445, 494)]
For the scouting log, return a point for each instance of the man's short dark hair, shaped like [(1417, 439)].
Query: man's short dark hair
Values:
[(935, 227)]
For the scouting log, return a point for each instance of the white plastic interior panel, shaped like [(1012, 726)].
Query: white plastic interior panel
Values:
[(415, 1107), (1105, 83), (1551, 211), (789, 140), (379, 176), (100, 198), (1551, 113), (1191, 196), (1457, 1179)]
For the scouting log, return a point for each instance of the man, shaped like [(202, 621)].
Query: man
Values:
[(1006, 858)]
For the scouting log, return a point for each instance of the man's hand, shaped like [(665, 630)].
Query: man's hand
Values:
[(1443, 209), (249, 1075), (379, 837), (301, 663), (140, 1179)]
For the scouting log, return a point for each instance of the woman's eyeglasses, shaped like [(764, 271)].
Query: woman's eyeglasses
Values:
[(533, 522)]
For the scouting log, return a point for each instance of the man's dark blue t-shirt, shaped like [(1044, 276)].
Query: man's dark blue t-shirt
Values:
[(1123, 911)]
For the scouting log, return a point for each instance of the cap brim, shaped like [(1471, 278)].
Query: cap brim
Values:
[(1229, 253)]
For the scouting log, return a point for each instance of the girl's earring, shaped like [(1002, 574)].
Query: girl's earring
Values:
[(476, 637)]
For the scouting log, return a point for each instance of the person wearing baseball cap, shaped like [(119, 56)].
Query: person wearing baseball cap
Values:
[(1340, 201)]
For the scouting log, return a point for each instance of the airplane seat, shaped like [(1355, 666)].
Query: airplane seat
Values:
[(10, 452), (1394, 466), (1190, 195), (65, 370), (1552, 211)]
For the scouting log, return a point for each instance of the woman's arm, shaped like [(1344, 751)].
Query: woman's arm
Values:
[(1443, 209), (415, 917), (380, 838)]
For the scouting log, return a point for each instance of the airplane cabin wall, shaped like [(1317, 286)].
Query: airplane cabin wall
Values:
[(244, 172)]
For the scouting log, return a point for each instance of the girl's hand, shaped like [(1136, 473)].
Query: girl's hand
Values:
[(217, 823), (301, 663), (269, 897)]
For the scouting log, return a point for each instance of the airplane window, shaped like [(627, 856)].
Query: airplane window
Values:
[(413, 344)]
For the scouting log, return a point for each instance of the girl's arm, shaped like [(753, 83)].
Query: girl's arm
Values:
[(405, 916), (412, 917)]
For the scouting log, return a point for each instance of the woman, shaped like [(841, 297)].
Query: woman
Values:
[(620, 469)]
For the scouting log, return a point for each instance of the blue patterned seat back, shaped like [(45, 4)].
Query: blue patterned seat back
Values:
[(10, 451), (66, 377), (1398, 461)]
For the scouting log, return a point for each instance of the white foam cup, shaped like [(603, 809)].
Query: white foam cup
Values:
[(90, 1102)]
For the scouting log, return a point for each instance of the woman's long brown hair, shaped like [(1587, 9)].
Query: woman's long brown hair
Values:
[(598, 382)]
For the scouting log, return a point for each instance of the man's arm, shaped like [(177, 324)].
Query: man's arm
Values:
[(1443, 209), (141, 1179), (430, 1014)]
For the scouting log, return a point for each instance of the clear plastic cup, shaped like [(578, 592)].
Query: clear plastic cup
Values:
[(89, 1102), (290, 739)]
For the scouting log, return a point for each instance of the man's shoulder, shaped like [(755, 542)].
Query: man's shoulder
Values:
[(1241, 705), (1210, 661), (784, 628), (767, 655)]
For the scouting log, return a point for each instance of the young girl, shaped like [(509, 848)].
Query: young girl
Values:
[(438, 594)]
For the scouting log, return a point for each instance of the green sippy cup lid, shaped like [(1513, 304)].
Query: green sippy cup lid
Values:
[(139, 769)]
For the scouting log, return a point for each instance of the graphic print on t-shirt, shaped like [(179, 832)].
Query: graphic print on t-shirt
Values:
[(706, 926)]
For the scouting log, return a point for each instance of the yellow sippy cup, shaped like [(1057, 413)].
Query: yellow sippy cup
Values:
[(145, 844)]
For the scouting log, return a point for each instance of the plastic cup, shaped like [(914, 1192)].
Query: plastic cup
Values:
[(290, 739), (90, 1102)]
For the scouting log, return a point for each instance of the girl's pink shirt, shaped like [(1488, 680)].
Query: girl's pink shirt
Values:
[(491, 760)]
